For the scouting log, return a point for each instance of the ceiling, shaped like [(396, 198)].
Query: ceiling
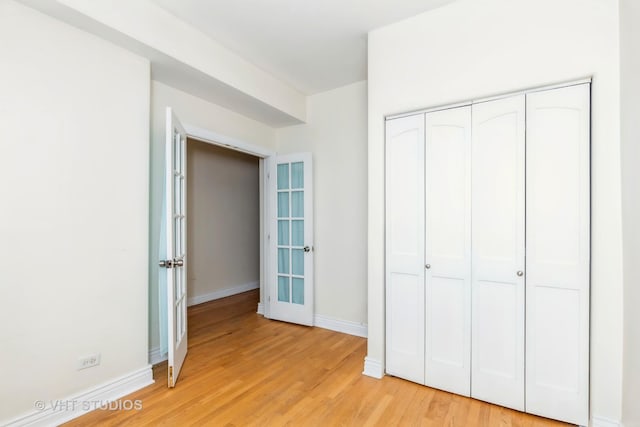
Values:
[(313, 46)]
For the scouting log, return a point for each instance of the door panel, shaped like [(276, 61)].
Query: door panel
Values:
[(496, 355), (558, 253), (291, 295), (472, 303), (448, 250), (176, 262), (406, 295), (405, 248), (498, 167)]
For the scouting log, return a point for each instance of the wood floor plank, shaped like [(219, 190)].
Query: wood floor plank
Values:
[(245, 370)]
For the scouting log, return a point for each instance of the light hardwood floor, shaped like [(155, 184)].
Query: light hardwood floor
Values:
[(243, 369)]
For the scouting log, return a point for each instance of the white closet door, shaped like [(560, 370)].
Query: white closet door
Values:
[(405, 247), (558, 203), (448, 250), (498, 156)]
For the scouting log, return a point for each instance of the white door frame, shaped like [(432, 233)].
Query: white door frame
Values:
[(266, 157)]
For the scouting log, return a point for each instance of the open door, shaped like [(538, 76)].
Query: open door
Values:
[(176, 262), (291, 239)]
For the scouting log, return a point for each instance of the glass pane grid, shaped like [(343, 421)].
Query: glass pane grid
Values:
[(297, 291), (297, 262), (283, 233), (283, 289), (297, 175), (290, 176), (283, 204), (297, 204), (283, 176), (284, 258), (297, 233), (176, 153)]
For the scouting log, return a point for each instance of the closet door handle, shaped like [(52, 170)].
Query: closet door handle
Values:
[(520, 273), (427, 266)]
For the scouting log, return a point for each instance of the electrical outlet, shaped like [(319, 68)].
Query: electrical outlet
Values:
[(88, 361)]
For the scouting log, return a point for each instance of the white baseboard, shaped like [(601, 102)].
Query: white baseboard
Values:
[(155, 356), (344, 326), (597, 421), (260, 308), (373, 368), (81, 403), (223, 293)]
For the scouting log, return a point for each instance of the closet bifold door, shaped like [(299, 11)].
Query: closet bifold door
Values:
[(404, 275), (558, 253), (448, 250), (497, 269)]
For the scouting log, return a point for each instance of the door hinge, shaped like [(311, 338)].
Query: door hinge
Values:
[(171, 375)]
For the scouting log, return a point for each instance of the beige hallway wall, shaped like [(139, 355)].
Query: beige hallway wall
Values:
[(223, 217)]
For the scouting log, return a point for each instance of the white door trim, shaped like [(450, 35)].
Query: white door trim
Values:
[(490, 98), (221, 140)]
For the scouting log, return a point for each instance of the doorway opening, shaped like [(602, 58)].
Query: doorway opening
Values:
[(174, 296), (223, 236), (223, 217)]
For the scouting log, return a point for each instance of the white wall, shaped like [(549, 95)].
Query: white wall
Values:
[(205, 115), (223, 217), (183, 56), (630, 147), (472, 49), (336, 134), (74, 216)]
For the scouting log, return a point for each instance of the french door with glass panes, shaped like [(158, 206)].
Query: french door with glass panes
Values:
[(291, 239), (176, 262)]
